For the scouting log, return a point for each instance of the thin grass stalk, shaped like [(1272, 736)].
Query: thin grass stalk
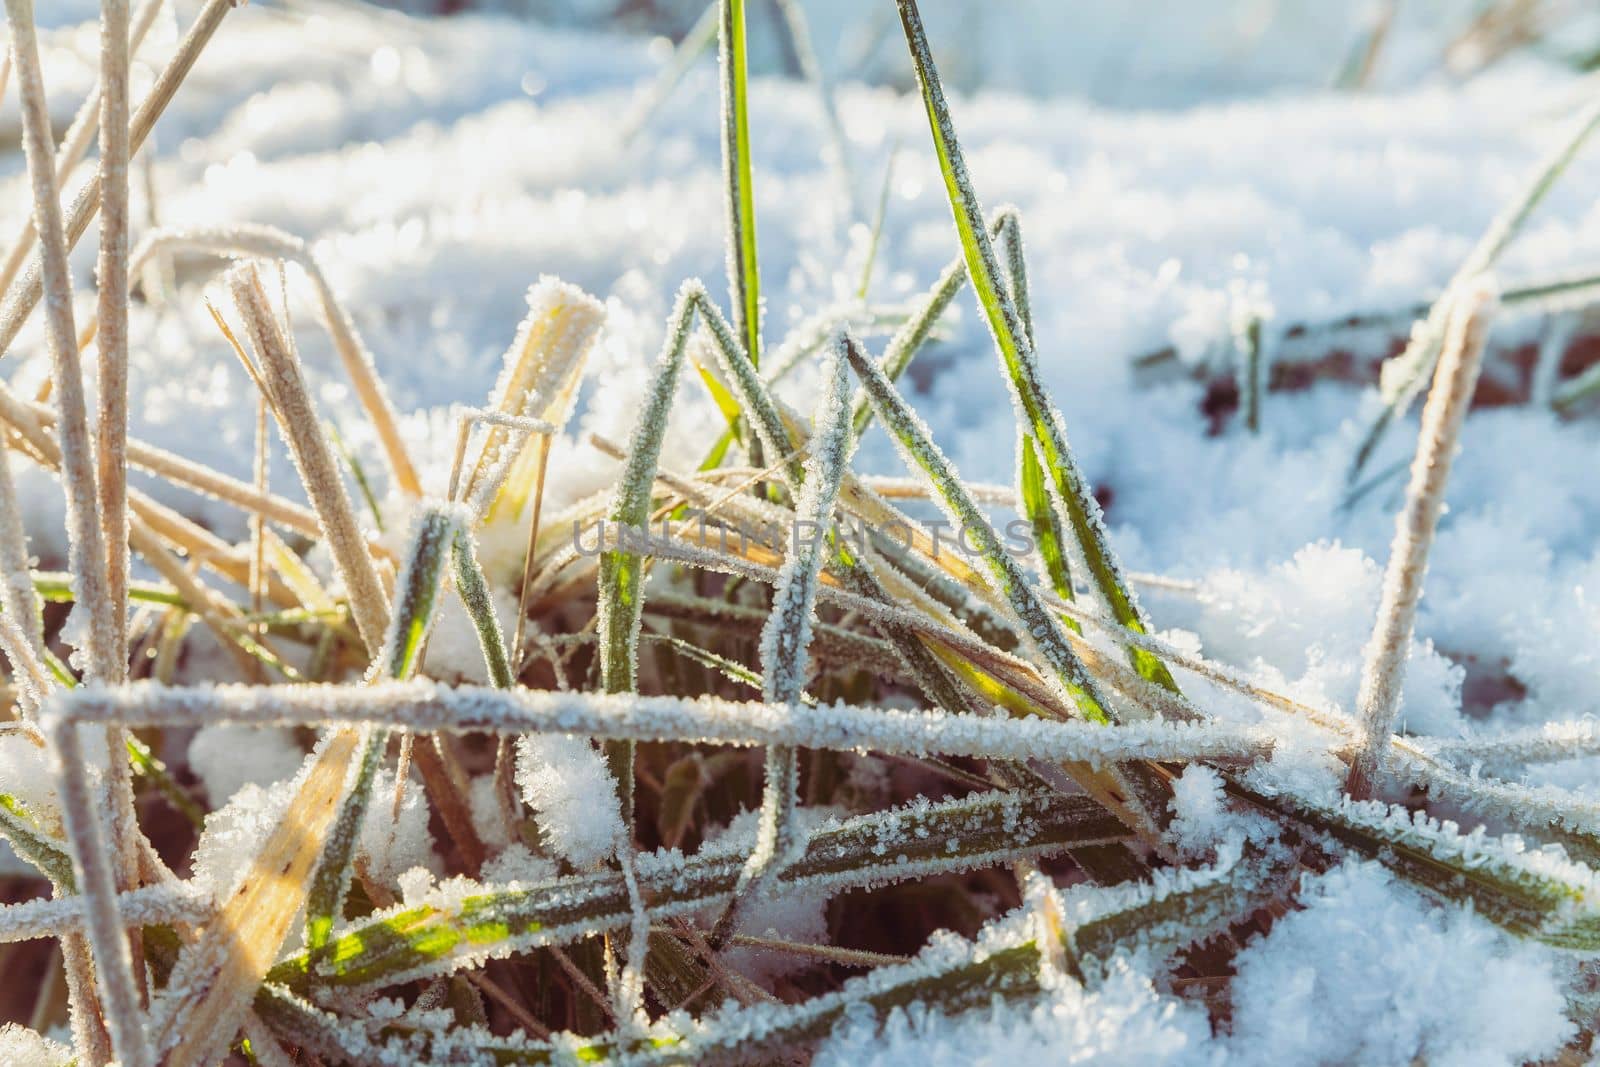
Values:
[(1009, 330), (112, 426), (786, 640), (354, 355), (427, 707), (74, 146), (186, 473), (1403, 376), (313, 457), (744, 276), (875, 235), (216, 613), (97, 871), (908, 340), (416, 597), (112, 865), (794, 21), (24, 295), (86, 550), (1253, 373), (621, 580), (28, 673), (1456, 376), (17, 594), (1560, 329), (1040, 625)]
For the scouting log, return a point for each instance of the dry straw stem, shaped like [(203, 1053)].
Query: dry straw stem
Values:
[(111, 458), (187, 473), (24, 295), (85, 548), (268, 242), (216, 978), (1454, 379), (313, 457), (538, 380), (74, 146)]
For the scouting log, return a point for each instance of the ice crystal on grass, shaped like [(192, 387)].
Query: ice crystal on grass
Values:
[(573, 793)]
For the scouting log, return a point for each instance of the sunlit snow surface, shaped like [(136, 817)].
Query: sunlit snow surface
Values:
[(442, 167)]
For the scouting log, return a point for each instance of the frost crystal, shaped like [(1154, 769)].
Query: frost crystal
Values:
[(571, 790)]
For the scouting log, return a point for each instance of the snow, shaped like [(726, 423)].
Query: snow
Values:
[(227, 758), (566, 782), (1199, 809), (1126, 1020), (25, 774), (388, 847), (21, 1047), (1320, 988)]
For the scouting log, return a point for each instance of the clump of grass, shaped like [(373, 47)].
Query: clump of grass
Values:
[(1049, 731)]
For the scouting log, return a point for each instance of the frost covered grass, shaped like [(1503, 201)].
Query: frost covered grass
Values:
[(740, 758)]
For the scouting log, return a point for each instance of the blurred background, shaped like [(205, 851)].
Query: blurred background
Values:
[(1136, 52)]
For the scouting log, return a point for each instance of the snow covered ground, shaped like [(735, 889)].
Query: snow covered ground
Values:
[(441, 167)]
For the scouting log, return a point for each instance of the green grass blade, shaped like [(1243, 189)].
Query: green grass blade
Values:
[(35, 846), (1043, 521), (56, 587), (1009, 329), (744, 277), (1044, 629), (473, 589), (915, 332), (1537, 894), (416, 597), (621, 578), (434, 939), (358, 472)]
